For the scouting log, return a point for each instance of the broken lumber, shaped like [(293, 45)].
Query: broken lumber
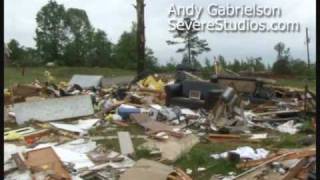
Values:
[(295, 170), (289, 155)]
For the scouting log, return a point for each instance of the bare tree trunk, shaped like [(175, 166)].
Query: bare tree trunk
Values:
[(308, 41), (189, 52), (140, 36), (22, 70)]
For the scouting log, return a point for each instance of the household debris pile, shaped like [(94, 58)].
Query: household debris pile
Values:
[(64, 127)]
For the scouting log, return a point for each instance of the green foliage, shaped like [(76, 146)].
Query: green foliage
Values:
[(50, 32), (99, 50), (297, 66), (193, 45), (21, 56), (282, 65), (79, 33), (125, 52), (66, 36), (222, 62), (16, 54), (279, 47), (169, 67)]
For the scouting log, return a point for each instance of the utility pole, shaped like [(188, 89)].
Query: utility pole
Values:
[(140, 36), (308, 41)]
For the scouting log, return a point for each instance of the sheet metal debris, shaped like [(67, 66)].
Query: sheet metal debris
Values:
[(86, 81), (54, 109), (125, 142)]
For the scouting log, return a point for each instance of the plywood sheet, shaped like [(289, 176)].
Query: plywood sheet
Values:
[(46, 159)]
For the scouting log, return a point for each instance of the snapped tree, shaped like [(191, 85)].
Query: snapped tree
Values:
[(281, 66), (140, 36)]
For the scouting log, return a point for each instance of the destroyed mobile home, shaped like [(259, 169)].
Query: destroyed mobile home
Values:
[(54, 140)]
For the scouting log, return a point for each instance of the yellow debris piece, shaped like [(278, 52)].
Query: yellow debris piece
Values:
[(151, 83), (12, 135), (63, 85), (49, 77)]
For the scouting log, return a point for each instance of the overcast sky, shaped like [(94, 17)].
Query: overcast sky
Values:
[(115, 16)]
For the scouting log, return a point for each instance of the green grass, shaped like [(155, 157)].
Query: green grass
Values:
[(199, 156), (298, 83), (113, 144), (13, 75)]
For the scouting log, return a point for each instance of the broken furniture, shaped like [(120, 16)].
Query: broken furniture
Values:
[(230, 103), (193, 94), (247, 85), (86, 81)]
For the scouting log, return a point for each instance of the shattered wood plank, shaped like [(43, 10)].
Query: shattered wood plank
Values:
[(260, 166), (275, 119), (182, 174), (125, 142), (47, 158), (54, 109), (290, 155), (5, 114), (19, 160), (295, 170), (278, 113), (303, 174), (25, 90)]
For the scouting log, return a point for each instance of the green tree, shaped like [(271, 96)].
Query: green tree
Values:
[(125, 51), (16, 55), (279, 47), (298, 67), (79, 33), (193, 45), (100, 50), (222, 61), (259, 66), (21, 56), (50, 32), (151, 62), (282, 65), (236, 66)]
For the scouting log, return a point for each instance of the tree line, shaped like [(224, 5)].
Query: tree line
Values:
[(67, 38)]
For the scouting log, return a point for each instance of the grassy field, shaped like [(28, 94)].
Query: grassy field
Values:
[(14, 75), (299, 83)]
